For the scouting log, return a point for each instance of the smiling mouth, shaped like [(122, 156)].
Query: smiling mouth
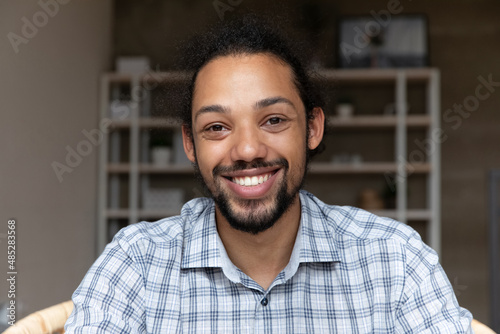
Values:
[(250, 181)]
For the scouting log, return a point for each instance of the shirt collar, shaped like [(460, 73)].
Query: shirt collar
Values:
[(318, 242), (315, 241), (200, 240)]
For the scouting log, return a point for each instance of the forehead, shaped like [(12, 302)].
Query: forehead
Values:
[(244, 77)]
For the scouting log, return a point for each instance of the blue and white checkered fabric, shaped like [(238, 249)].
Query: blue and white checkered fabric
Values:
[(350, 272)]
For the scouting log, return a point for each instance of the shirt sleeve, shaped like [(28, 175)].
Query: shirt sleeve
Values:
[(110, 297), (429, 304)]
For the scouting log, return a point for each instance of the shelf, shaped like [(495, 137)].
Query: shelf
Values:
[(414, 121), (153, 122), (143, 214)]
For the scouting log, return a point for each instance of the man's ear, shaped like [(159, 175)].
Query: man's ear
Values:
[(187, 141), (316, 128)]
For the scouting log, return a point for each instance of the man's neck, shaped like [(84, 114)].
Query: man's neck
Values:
[(264, 255)]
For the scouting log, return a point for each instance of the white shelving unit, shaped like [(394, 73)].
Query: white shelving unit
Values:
[(136, 170)]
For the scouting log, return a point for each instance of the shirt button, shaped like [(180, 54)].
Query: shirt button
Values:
[(264, 301)]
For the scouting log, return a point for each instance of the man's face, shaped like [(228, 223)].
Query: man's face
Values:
[(249, 131)]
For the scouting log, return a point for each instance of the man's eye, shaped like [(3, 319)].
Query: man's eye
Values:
[(216, 128), (274, 120)]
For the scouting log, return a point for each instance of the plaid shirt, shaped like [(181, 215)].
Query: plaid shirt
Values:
[(350, 272)]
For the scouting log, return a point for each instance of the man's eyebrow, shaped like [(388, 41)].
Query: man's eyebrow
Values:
[(273, 100), (258, 105), (211, 108)]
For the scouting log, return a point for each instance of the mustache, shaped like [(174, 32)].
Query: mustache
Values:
[(242, 165)]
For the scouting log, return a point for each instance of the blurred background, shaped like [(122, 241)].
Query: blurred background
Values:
[(79, 145)]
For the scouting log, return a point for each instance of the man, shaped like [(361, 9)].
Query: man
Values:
[(261, 255)]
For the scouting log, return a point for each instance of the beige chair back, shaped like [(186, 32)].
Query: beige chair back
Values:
[(480, 328), (47, 321)]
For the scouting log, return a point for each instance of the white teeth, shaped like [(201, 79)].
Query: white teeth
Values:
[(255, 180), (248, 181)]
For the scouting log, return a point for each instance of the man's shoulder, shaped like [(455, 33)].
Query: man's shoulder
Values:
[(351, 223), (356, 231), (166, 232)]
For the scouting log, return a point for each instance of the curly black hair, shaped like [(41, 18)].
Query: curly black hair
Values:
[(246, 35)]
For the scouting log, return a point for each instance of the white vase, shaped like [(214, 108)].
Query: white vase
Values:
[(161, 155), (345, 110)]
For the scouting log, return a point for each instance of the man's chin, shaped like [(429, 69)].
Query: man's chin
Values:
[(249, 207), (254, 215), (254, 223)]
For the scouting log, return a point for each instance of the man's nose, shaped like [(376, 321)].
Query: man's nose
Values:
[(248, 144)]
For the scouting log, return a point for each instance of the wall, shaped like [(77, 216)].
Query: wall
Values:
[(49, 92), (464, 44)]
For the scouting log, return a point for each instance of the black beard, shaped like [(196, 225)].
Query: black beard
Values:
[(255, 222)]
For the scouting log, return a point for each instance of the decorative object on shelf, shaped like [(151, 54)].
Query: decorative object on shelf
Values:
[(132, 65), (369, 199), (119, 109), (168, 200), (356, 159), (376, 42), (161, 155), (382, 40), (346, 158), (120, 105), (344, 107), (341, 158), (161, 150)]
